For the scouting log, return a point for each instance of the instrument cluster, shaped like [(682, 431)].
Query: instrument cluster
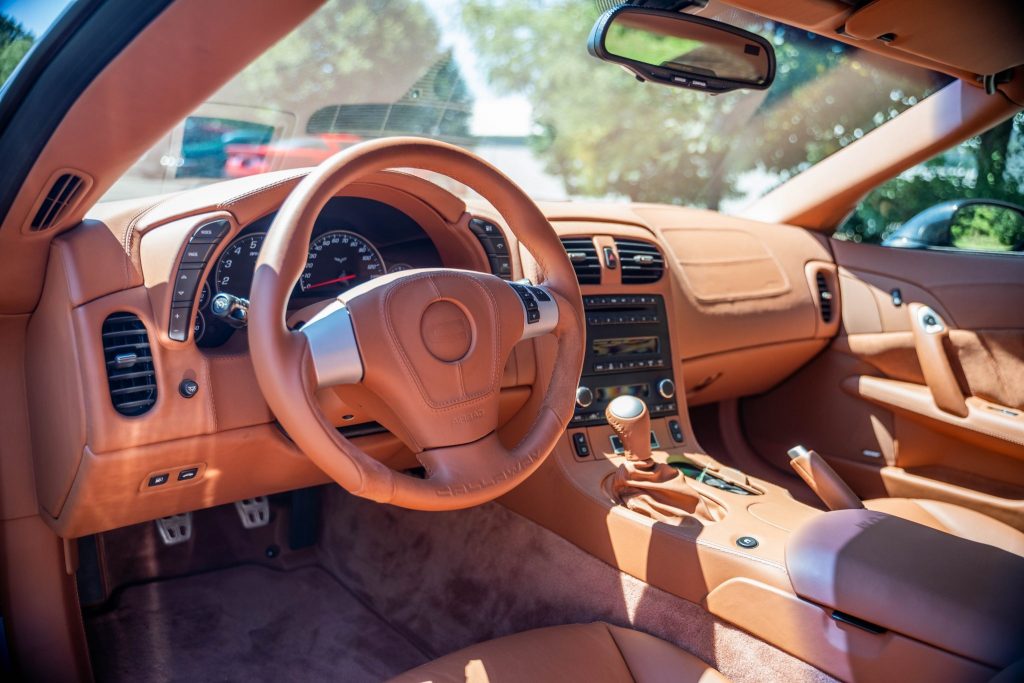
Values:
[(354, 240)]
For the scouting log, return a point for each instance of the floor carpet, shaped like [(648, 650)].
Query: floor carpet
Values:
[(246, 623)]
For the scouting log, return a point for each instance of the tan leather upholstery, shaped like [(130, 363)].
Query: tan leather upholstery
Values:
[(595, 653), (953, 519)]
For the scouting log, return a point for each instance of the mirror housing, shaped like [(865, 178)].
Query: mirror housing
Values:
[(683, 50), (967, 224)]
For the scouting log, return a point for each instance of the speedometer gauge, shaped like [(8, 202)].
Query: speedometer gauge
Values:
[(338, 260), (237, 264)]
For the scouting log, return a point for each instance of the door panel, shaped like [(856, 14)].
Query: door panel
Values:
[(906, 412)]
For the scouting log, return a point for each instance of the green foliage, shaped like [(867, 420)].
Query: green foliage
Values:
[(989, 166), (606, 135), (15, 42), (987, 227)]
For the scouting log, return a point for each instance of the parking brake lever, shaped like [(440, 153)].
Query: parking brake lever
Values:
[(823, 480)]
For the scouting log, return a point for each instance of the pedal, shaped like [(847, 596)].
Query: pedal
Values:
[(254, 512), (175, 529)]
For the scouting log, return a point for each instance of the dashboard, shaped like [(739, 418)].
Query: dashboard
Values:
[(354, 239), (157, 386)]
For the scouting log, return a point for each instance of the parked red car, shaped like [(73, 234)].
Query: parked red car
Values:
[(247, 160)]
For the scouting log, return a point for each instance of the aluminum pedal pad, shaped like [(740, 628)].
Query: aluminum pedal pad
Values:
[(175, 529), (254, 512)]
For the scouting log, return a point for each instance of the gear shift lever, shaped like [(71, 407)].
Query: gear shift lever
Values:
[(642, 484), (631, 420)]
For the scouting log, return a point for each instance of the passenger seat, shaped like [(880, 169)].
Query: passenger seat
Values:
[(596, 653)]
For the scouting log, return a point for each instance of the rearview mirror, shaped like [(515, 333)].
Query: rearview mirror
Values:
[(683, 50)]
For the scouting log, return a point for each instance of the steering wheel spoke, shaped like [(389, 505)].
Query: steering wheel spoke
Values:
[(333, 346)]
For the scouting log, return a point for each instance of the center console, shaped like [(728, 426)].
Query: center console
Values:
[(628, 354)]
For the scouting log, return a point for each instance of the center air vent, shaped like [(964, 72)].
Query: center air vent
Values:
[(130, 372), (642, 262), (583, 256), (824, 296)]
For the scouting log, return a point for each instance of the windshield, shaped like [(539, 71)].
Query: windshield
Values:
[(512, 80)]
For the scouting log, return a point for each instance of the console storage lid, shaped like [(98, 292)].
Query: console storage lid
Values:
[(964, 597)]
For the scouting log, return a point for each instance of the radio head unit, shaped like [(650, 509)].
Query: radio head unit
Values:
[(628, 354)]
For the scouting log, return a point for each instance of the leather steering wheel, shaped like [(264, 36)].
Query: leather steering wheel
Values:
[(421, 351)]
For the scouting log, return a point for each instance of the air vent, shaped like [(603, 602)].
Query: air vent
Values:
[(642, 262), (129, 362), (583, 256), (63, 195), (824, 296)]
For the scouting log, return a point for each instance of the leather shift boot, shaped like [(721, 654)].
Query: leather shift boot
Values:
[(658, 491)]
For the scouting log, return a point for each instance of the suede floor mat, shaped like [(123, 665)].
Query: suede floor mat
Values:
[(243, 624)]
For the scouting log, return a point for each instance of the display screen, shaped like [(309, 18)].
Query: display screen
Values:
[(626, 346), (608, 393)]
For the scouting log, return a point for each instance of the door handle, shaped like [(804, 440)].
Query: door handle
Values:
[(930, 337)]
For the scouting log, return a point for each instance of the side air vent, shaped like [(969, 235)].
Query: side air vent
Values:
[(62, 196), (583, 256), (130, 372), (642, 262), (824, 296)]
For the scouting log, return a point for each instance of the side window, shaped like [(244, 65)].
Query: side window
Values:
[(969, 198)]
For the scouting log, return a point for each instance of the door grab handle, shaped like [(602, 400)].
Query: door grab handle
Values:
[(930, 335)]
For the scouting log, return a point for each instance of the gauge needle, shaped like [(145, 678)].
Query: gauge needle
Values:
[(343, 278)]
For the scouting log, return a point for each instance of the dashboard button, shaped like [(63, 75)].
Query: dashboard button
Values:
[(211, 232), (179, 325), (495, 246), (197, 252), (187, 474), (501, 266), (186, 282), (580, 445), (159, 479), (483, 228)]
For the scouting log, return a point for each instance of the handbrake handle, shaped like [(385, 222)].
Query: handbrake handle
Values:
[(823, 480)]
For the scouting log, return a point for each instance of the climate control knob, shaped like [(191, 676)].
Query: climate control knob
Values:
[(667, 388), (584, 397)]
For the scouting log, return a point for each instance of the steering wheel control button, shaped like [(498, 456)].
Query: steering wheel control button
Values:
[(186, 282), (159, 479), (446, 331), (197, 253), (187, 474), (211, 232), (540, 294), (580, 445), (747, 542), (188, 388)]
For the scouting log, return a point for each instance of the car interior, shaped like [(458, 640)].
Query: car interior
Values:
[(512, 340)]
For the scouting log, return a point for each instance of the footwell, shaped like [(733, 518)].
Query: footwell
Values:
[(243, 624)]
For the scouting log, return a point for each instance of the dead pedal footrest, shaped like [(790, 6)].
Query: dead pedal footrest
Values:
[(254, 512), (175, 529)]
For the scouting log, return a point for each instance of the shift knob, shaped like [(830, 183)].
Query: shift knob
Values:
[(631, 420)]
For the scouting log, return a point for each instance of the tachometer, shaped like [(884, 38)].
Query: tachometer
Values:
[(237, 265), (338, 260)]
